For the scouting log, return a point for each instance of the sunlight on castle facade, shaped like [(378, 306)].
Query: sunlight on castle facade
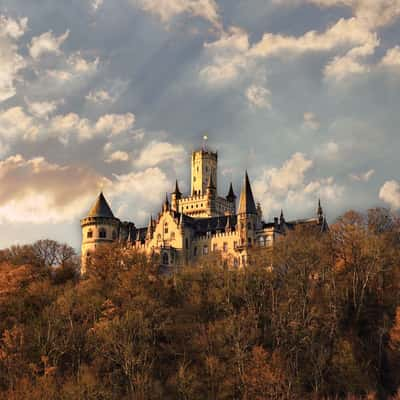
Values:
[(194, 226)]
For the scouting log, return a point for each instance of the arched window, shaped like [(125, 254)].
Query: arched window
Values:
[(90, 234), (187, 243), (165, 260), (114, 235), (166, 228), (158, 237), (88, 254), (249, 226), (172, 235), (102, 233)]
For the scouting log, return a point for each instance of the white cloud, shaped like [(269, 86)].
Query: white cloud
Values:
[(100, 96), (115, 123), (47, 43), (117, 156), (42, 109), (228, 55), (363, 177), (76, 66), (392, 58), (96, 4), (157, 152), (311, 121), (168, 9), (390, 194), (36, 191), (112, 124), (258, 96), (11, 62), (16, 124), (287, 187)]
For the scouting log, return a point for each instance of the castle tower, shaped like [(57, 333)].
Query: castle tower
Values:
[(100, 227), (247, 215), (204, 165)]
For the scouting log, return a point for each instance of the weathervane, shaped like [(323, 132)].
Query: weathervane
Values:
[(205, 139)]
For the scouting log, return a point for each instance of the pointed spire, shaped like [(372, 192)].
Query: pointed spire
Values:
[(101, 208), (282, 217), (231, 194), (177, 192), (247, 204), (166, 206), (320, 212)]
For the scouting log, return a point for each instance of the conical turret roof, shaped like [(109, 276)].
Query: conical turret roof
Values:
[(101, 208), (231, 194), (247, 204), (177, 191)]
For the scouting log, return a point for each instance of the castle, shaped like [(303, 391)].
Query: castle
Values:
[(194, 226)]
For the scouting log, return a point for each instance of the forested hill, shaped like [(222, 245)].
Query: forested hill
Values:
[(322, 323)]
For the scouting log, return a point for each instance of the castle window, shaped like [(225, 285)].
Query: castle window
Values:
[(114, 235), (165, 228), (262, 241), (102, 233), (195, 251), (234, 244), (172, 235), (249, 241), (235, 262), (249, 226), (165, 260), (225, 247), (158, 237), (90, 234), (187, 243), (205, 250), (215, 247), (88, 254)]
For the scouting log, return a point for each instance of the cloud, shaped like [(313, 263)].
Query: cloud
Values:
[(288, 187), (100, 96), (42, 109), (96, 4), (258, 96), (363, 177), (46, 43), (112, 124), (311, 121), (392, 58), (36, 191), (76, 66), (117, 156), (158, 152), (16, 124), (168, 9), (11, 62), (390, 194), (228, 57)]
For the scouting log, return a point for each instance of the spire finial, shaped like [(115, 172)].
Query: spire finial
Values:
[(205, 139), (320, 211)]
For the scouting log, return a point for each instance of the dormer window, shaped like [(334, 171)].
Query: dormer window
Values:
[(102, 233)]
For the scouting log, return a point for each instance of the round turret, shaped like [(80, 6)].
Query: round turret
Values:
[(98, 228)]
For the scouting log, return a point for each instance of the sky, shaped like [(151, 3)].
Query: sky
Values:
[(114, 95)]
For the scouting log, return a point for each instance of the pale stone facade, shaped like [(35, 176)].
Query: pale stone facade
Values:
[(188, 228)]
